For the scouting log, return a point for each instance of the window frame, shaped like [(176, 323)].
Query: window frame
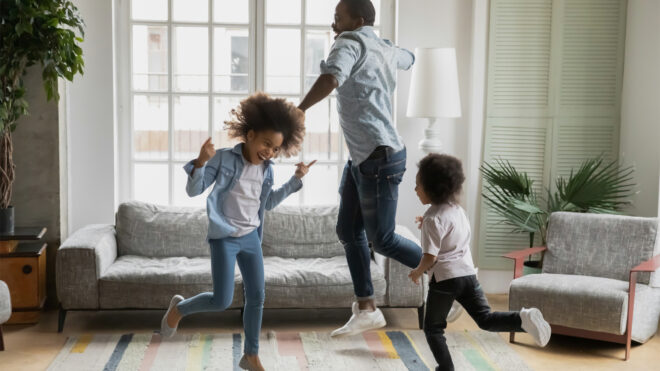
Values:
[(257, 27)]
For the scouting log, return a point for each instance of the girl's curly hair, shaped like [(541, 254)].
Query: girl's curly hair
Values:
[(260, 112), (441, 177)]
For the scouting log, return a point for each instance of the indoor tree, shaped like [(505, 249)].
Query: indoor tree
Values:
[(596, 186), (44, 32)]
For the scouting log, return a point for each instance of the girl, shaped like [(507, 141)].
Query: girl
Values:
[(447, 258), (243, 178)]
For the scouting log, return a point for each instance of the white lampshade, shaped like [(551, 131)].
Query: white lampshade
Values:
[(434, 86)]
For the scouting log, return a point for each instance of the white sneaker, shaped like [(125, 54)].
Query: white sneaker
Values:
[(165, 329), (455, 312), (534, 324), (361, 321)]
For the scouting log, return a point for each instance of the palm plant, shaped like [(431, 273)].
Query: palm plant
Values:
[(596, 187)]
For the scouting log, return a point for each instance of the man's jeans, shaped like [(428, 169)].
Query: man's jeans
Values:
[(367, 210)]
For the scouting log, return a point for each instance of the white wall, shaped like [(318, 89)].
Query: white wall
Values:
[(463, 25), (89, 120), (640, 106)]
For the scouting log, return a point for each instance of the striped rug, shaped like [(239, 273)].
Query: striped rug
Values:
[(283, 351)]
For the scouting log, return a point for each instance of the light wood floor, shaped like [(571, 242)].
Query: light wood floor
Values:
[(34, 347)]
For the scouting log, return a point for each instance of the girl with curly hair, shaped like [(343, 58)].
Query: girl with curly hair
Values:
[(448, 261), (242, 179)]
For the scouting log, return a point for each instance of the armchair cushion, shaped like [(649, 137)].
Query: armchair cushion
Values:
[(588, 303)]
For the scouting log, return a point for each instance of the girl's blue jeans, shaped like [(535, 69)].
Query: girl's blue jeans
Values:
[(245, 250)]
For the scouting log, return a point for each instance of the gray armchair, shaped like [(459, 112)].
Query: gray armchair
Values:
[(600, 277)]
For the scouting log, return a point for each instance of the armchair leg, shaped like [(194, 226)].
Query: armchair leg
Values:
[(512, 337), (627, 349), (60, 319), (2, 341), (420, 316)]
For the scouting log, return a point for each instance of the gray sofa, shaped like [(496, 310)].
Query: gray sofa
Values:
[(600, 278), (154, 252)]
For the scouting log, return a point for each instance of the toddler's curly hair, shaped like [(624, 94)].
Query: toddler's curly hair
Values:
[(260, 112), (441, 177)]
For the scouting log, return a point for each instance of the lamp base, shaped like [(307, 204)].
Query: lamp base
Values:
[(431, 142)]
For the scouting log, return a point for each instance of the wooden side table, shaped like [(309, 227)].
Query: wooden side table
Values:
[(24, 271)]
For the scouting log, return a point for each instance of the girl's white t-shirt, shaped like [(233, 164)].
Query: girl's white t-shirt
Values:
[(241, 206), (446, 235)]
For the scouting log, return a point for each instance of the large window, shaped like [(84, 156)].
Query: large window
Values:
[(189, 62)]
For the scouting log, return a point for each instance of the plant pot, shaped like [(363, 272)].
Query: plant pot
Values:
[(7, 220), (531, 267)]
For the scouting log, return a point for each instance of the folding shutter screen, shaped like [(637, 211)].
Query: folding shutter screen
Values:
[(554, 78)]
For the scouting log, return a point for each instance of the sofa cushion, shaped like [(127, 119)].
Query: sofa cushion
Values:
[(151, 282), (601, 245), (302, 232), (314, 282), (588, 303), (161, 231)]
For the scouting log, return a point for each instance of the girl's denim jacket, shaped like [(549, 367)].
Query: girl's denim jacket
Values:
[(225, 169)]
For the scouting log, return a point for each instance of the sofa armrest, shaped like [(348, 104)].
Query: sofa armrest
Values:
[(401, 291), (80, 261), (519, 256)]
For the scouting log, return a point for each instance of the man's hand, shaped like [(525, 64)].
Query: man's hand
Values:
[(205, 153), (302, 169), (419, 220), (415, 275)]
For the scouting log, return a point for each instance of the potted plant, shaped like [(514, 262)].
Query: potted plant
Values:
[(48, 32), (596, 187)]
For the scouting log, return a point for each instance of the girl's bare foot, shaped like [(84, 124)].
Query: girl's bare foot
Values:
[(174, 317), (251, 362)]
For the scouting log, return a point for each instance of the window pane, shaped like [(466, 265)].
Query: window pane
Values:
[(149, 10), (321, 185), (317, 142), (320, 12), (179, 195), (190, 58), (231, 61), (317, 47), (230, 11), (283, 61), (190, 10), (222, 107), (377, 8), (191, 122), (337, 141), (150, 183), (150, 134), (283, 11), (281, 174), (150, 58)]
